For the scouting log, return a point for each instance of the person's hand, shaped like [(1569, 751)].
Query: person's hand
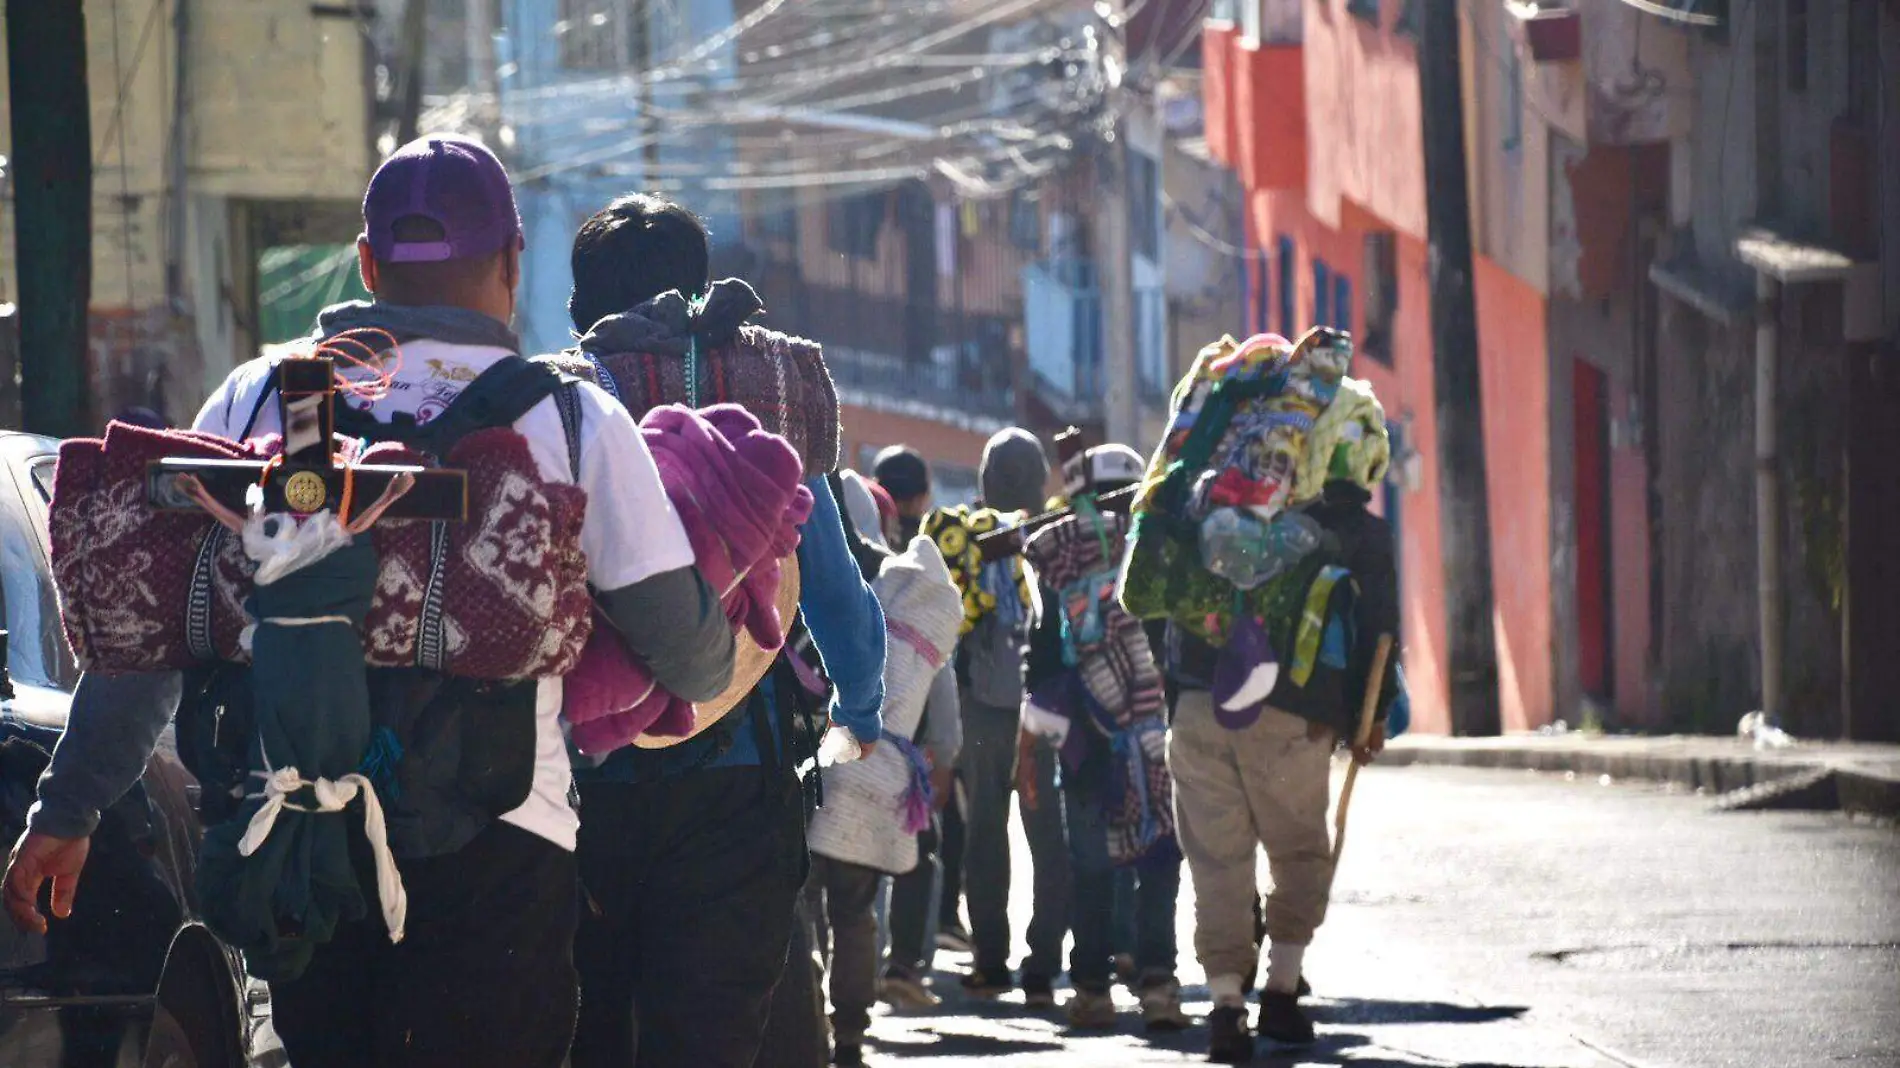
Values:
[(36, 859), (1375, 744), (1026, 770), (865, 748), (943, 781)]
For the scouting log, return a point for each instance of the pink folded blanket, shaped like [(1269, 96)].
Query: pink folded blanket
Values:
[(739, 493)]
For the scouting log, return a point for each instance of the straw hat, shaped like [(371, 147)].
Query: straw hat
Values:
[(749, 664)]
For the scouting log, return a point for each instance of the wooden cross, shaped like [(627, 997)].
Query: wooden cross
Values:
[(1000, 544), (308, 479)]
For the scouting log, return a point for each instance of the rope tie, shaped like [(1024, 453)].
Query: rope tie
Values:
[(918, 798), (332, 795), (914, 638)]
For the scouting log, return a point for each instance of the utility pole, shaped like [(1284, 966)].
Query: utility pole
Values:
[(1121, 421), (1464, 509), (414, 37), (52, 209)]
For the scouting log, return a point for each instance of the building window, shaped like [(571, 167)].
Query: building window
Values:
[(1250, 21), (852, 224), (1342, 303), (777, 215), (1408, 22), (1322, 293), (1025, 222), (1380, 275), (593, 34), (1797, 42), (1262, 293), (1144, 205), (1364, 10), (1288, 262)]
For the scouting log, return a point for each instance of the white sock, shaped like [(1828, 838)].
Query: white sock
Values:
[(1226, 990), (1284, 961)]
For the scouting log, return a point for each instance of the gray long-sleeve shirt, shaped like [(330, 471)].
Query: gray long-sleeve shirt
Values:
[(943, 720)]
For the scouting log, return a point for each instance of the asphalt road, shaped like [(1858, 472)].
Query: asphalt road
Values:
[(1490, 918)]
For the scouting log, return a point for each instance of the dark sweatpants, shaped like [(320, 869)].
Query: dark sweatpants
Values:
[(845, 894), (689, 887), (484, 977)]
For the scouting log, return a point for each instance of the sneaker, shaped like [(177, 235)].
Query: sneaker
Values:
[(1283, 1021), (1228, 1040), (1161, 1007), (848, 1055), (900, 989), (1092, 1010), (986, 986), (953, 938), (1038, 992)]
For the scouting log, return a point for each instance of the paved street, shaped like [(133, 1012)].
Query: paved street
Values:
[(1512, 918)]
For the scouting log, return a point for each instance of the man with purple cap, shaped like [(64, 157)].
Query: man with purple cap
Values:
[(485, 974)]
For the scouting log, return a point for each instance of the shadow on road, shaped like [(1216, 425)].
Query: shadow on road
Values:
[(1369, 1011), (1347, 1050)]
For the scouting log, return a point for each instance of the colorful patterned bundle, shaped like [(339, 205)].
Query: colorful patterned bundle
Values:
[(144, 590), (1257, 430), (1000, 586)]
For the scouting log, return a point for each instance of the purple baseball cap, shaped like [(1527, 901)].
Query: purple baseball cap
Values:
[(454, 182)]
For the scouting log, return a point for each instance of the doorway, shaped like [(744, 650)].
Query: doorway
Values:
[(1591, 456)]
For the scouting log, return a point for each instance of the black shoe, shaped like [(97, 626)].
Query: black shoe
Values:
[(1038, 992), (1228, 1040), (1283, 1021), (848, 1055), (952, 937), (987, 985), (1304, 991)]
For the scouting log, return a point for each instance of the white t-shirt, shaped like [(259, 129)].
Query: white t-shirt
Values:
[(630, 533)]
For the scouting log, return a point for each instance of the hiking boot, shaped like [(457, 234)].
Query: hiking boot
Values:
[(1161, 1006), (986, 986), (901, 989), (1228, 1040), (1283, 1021), (1039, 992), (848, 1055), (1092, 1010)]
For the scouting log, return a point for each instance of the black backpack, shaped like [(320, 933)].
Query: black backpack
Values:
[(450, 754)]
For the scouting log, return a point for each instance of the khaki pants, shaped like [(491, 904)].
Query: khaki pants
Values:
[(1266, 785)]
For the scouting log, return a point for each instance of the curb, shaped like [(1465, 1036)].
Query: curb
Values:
[(1743, 778)]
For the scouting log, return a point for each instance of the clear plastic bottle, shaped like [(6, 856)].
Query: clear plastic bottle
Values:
[(1246, 551), (838, 747)]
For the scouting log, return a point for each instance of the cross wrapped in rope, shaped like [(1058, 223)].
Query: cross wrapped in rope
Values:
[(276, 879)]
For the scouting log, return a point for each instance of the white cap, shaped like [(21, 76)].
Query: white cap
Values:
[(1105, 465)]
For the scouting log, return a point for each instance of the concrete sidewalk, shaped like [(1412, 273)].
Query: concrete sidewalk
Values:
[(1862, 779)]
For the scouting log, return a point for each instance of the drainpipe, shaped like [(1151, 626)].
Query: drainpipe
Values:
[(1768, 514)]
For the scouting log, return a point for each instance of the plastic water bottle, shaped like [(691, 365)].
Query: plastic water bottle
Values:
[(838, 747), (1239, 547)]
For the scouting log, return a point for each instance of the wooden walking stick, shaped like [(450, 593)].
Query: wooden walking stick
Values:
[(1375, 682)]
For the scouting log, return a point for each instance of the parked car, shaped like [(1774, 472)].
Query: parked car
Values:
[(133, 978)]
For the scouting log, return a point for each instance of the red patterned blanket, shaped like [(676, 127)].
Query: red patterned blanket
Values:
[(145, 590)]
